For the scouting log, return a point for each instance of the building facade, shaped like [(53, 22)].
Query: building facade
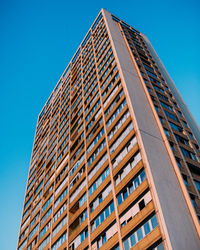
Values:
[(115, 161)]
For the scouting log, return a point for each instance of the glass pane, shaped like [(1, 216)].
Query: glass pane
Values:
[(136, 182), (97, 222), (126, 245), (104, 239), (133, 240), (160, 247), (112, 207), (154, 221), (86, 234), (139, 234), (119, 199), (102, 217), (82, 237), (94, 186), (142, 176), (125, 194), (107, 212), (131, 189), (147, 228)]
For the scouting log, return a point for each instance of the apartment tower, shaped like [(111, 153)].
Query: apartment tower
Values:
[(115, 161)]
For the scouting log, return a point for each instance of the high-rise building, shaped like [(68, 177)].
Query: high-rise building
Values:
[(115, 161)]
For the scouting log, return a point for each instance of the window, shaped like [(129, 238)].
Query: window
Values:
[(166, 131), (23, 234), (36, 208), (106, 44), (102, 216), (116, 113), (25, 222), (62, 184), (23, 245), (182, 140), (92, 101), (96, 202), (63, 144), (60, 198), (132, 142), (92, 110), (60, 212), (60, 241), (147, 67), (97, 125), (141, 204), (151, 74), (197, 184), (188, 154), (83, 216), (106, 75), (120, 139), (106, 63), (97, 166), (118, 125), (127, 168), (44, 230), (96, 139), (176, 127), (157, 108), (111, 94), (136, 181), (59, 226), (33, 231), (159, 247), (172, 146), (114, 103), (62, 153), (78, 163), (44, 243), (135, 207), (82, 200), (171, 116), (178, 161), (100, 179), (112, 82), (78, 190), (140, 233), (77, 177), (96, 152), (84, 235), (162, 97), (191, 135), (28, 202), (90, 88), (47, 203), (166, 106), (76, 154), (185, 123), (194, 169), (101, 240), (47, 214)]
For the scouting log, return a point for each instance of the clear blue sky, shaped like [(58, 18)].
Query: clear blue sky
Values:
[(38, 39)]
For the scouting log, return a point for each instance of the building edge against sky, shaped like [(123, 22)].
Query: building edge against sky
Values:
[(113, 70)]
